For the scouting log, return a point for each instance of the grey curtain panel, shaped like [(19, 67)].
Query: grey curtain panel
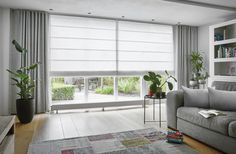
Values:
[(186, 41), (30, 29)]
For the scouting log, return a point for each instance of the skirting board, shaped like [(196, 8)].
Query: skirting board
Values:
[(56, 107)]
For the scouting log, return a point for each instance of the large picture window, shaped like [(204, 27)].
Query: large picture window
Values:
[(106, 59)]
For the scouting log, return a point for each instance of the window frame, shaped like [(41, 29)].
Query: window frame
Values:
[(114, 74)]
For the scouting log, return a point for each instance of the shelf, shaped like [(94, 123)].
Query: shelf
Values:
[(232, 59), (228, 41)]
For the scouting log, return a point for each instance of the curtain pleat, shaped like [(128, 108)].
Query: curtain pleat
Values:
[(186, 41), (30, 29)]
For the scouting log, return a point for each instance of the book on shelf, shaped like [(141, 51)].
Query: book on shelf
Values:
[(226, 52), (210, 113)]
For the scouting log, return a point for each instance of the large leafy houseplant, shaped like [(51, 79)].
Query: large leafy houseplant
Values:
[(198, 69), (197, 64), (23, 81), (157, 82)]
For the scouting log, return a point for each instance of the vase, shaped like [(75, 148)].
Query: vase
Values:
[(25, 110)]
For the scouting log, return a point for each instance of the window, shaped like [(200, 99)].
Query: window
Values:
[(106, 59), (100, 89), (128, 87), (67, 89)]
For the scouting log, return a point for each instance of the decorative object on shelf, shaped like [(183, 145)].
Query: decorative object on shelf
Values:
[(25, 104), (156, 85), (199, 74), (218, 37)]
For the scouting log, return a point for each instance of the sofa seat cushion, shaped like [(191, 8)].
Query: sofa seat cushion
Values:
[(218, 123), (232, 129)]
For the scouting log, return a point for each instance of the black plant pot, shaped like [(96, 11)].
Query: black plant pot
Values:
[(25, 110), (160, 95)]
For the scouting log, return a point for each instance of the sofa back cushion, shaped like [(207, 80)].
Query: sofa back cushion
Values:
[(196, 97), (222, 85), (222, 100)]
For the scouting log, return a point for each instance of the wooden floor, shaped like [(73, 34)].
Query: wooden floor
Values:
[(81, 123)]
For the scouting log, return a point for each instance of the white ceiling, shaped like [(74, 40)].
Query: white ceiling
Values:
[(144, 10)]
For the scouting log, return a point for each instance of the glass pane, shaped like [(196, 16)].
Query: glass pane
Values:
[(100, 89), (67, 90), (128, 88)]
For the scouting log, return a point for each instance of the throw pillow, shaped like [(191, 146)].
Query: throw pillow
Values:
[(196, 97), (222, 100)]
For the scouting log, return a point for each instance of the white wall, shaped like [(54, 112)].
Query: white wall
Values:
[(4, 60)]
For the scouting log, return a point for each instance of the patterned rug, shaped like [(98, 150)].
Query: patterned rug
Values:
[(144, 141)]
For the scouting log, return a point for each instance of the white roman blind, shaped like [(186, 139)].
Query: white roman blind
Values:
[(81, 45), (90, 46), (145, 47)]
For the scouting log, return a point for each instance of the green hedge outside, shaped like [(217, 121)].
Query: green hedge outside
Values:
[(61, 91), (108, 90)]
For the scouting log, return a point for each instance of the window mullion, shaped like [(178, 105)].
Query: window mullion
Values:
[(116, 87), (86, 89)]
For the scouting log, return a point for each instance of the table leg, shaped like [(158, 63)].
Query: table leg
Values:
[(153, 109), (160, 112), (144, 107)]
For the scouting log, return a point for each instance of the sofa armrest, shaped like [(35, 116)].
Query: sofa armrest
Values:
[(175, 99)]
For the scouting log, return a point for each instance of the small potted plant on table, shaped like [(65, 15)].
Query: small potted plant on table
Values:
[(25, 104), (156, 84)]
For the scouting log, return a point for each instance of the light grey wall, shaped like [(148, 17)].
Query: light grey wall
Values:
[(4, 60), (203, 44)]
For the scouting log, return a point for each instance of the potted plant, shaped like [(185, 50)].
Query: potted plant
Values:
[(197, 64), (198, 69), (202, 78), (156, 84), (22, 80)]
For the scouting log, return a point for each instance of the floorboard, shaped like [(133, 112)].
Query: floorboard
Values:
[(82, 123)]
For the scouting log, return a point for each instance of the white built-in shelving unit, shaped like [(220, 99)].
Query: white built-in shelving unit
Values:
[(223, 52)]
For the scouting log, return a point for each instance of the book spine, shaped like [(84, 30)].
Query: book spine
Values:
[(179, 141)]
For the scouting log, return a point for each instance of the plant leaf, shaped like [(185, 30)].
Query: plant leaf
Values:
[(153, 88), (152, 75), (19, 71), (174, 78), (166, 72), (14, 79), (146, 78), (170, 85), (17, 46), (158, 75), (12, 72), (31, 67), (157, 81)]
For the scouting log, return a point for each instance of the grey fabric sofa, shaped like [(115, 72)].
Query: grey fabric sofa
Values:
[(218, 132)]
